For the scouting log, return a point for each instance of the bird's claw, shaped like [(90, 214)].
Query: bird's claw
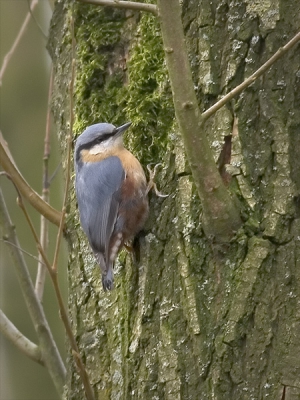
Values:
[(151, 183)]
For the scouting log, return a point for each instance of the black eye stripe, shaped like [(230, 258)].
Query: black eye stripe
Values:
[(102, 138), (97, 140)]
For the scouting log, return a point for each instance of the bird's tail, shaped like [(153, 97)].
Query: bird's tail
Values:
[(107, 272)]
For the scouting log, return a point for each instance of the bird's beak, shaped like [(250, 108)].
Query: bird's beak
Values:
[(122, 129)]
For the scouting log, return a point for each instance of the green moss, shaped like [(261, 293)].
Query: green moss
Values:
[(149, 103), (98, 33), (136, 91)]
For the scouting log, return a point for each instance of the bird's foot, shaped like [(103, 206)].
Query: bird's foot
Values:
[(151, 183)]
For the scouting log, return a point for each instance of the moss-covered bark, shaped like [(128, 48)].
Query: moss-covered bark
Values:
[(190, 319)]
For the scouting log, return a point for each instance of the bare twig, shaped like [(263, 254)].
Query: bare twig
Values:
[(221, 217), (9, 330), (29, 194), (41, 274), (130, 5), (50, 353), (55, 172), (22, 250), (237, 90), (17, 40), (36, 21)]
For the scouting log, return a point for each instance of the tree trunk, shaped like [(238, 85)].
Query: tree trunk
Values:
[(189, 318)]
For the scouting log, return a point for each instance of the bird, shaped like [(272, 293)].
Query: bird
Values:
[(111, 191)]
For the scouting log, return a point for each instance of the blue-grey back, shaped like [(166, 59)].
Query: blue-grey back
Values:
[(98, 189)]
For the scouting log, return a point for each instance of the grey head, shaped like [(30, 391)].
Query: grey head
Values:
[(96, 134)]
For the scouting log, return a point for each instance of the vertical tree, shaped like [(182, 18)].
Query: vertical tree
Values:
[(193, 317)]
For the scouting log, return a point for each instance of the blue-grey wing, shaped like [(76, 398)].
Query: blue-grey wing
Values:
[(98, 189)]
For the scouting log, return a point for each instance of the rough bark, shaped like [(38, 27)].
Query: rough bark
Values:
[(191, 319)]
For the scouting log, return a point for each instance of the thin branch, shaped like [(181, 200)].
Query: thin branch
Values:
[(221, 217), (9, 330), (36, 22), (50, 353), (25, 189), (55, 172), (17, 41), (22, 250), (237, 90), (23, 208), (130, 5), (41, 273)]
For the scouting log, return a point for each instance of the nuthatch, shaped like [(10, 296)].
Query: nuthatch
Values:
[(111, 191)]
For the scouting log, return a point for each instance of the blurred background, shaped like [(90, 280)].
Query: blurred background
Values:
[(23, 109)]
